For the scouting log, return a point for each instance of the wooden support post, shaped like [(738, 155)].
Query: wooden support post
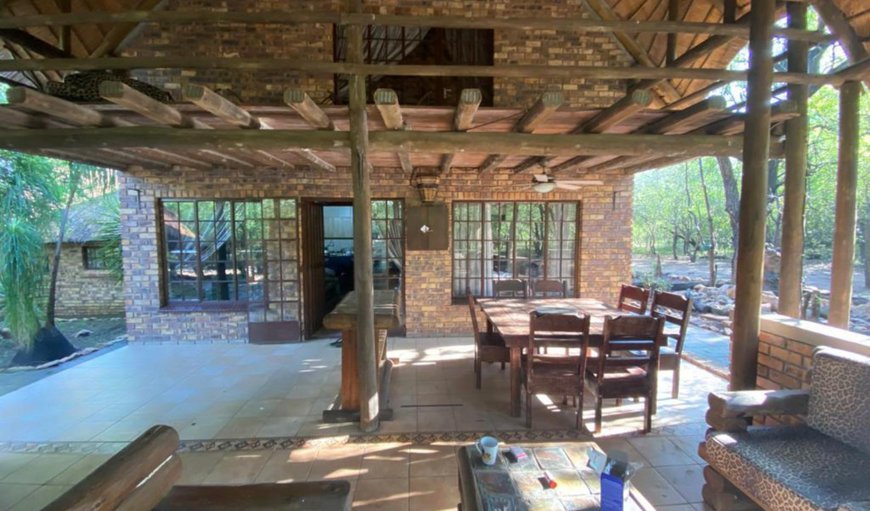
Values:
[(308, 109), (791, 269), (65, 37), (362, 232), (387, 102), (753, 199), (469, 102), (844, 221)]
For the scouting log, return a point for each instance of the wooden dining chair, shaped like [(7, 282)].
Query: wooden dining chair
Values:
[(633, 299), (511, 288), (675, 310), (627, 363), (549, 289), (488, 346), (555, 374)]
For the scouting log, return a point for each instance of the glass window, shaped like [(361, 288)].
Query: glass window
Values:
[(221, 250), (94, 258), (512, 240)]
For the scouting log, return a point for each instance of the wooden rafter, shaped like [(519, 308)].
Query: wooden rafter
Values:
[(602, 10), (33, 43), (840, 26), (331, 68), (387, 102), (562, 23), (119, 33), (469, 102), (629, 105), (540, 111), (309, 110)]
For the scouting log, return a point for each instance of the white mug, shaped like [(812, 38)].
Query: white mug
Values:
[(488, 447)]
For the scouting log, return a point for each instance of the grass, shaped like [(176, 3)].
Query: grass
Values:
[(104, 330)]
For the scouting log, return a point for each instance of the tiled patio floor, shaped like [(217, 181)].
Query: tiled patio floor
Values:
[(54, 431)]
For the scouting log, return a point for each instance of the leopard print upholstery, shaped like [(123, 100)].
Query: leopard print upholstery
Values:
[(85, 87), (840, 397), (795, 468)]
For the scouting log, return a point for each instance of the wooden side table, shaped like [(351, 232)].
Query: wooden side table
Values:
[(508, 486)]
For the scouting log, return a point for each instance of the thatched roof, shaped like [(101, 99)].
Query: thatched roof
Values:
[(86, 220)]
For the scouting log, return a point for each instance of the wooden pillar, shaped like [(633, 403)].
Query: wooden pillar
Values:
[(844, 220), (793, 210), (753, 199), (367, 367)]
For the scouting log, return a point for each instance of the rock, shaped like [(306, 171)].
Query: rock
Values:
[(82, 333), (5, 333)]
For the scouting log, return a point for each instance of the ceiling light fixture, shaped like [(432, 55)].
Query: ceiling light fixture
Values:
[(544, 187)]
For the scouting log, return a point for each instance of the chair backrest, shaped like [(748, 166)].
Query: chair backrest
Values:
[(839, 405), (549, 288), (511, 288), (675, 309), (633, 299), (562, 330), (636, 338), (472, 308)]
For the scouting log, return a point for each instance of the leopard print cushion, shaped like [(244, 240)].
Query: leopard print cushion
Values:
[(85, 87), (840, 397), (795, 467)]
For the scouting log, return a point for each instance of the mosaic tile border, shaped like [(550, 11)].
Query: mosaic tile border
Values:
[(281, 443)]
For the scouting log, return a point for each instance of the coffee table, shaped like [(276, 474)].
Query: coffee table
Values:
[(509, 486)]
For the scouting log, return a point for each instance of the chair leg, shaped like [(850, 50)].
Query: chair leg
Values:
[(675, 387), (598, 414), (477, 370), (529, 410), (579, 408), (502, 366), (648, 412)]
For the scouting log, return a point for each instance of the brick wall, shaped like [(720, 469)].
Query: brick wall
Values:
[(315, 42), (85, 293), (604, 254)]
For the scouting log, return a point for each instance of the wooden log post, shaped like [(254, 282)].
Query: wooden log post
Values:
[(844, 217), (791, 269), (116, 479), (469, 103), (387, 102), (753, 199), (362, 233)]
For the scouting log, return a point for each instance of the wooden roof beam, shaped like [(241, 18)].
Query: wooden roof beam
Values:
[(380, 141), (66, 111), (602, 9), (543, 108), (840, 26), (226, 110), (30, 42), (309, 110), (676, 123), (387, 102), (629, 105), (329, 68), (469, 103), (118, 33), (567, 23)]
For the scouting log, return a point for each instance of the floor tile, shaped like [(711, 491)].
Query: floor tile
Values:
[(42, 469), (655, 488), (11, 494), (660, 451), (281, 468), (381, 495), (196, 466), (80, 469), (687, 479), (237, 468), (40, 498), (433, 493)]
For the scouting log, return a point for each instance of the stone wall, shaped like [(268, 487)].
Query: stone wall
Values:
[(315, 42), (604, 254), (85, 293)]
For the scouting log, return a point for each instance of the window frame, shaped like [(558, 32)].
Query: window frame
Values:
[(87, 260), (200, 303), (458, 296)]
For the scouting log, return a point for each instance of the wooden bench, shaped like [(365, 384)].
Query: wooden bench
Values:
[(142, 477)]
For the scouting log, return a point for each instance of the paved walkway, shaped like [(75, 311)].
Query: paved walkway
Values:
[(709, 349), (252, 413)]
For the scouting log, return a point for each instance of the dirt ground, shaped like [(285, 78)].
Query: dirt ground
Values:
[(104, 330), (816, 273)]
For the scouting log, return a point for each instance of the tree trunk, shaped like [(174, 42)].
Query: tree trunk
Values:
[(711, 252), (55, 261), (732, 204), (866, 251)]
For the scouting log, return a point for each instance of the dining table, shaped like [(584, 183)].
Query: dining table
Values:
[(510, 318)]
